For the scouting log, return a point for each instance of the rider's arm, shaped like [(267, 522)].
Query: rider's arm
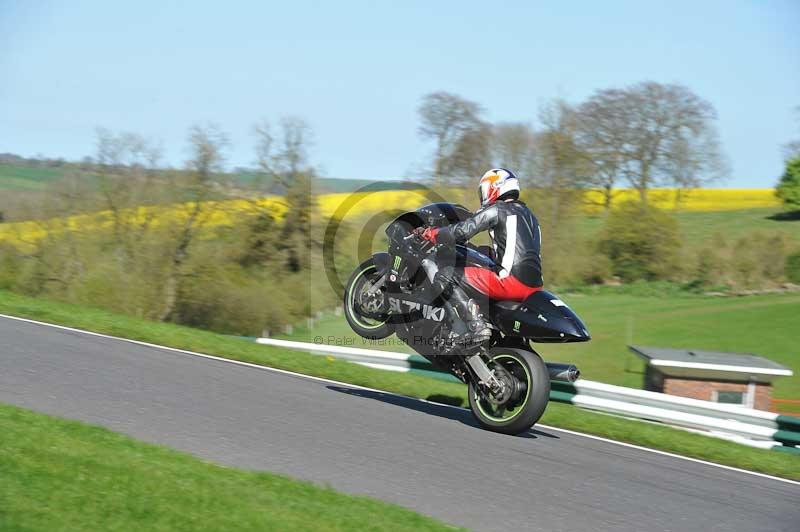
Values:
[(483, 220)]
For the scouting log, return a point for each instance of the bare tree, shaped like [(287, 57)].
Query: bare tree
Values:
[(447, 118), (207, 145), (599, 134), (125, 166), (284, 160), (292, 155), (514, 146), (650, 134), (691, 165), (264, 140), (471, 155), (560, 164)]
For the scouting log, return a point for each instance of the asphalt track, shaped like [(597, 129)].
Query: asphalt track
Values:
[(422, 456)]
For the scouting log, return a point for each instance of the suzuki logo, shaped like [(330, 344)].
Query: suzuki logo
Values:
[(433, 313), (428, 312)]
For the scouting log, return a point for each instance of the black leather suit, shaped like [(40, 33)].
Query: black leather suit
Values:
[(516, 238)]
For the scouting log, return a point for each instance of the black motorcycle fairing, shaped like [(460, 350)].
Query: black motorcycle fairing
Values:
[(433, 215), (382, 261), (473, 257), (542, 317), (442, 214)]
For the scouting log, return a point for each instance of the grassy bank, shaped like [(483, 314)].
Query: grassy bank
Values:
[(655, 436), (64, 475)]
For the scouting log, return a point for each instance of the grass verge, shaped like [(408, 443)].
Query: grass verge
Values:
[(65, 475), (565, 416)]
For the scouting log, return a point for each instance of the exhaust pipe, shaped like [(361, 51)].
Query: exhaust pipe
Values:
[(563, 372)]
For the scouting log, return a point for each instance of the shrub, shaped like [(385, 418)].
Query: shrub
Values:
[(10, 265), (234, 304), (709, 266), (642, 242), (758, 259), (745, 264), (789, 187), (793, 267), (772, 251), (570, 261)]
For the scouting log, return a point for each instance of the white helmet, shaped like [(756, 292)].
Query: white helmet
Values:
[(497, 183)]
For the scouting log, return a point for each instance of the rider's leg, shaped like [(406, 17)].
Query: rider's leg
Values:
[(506, 288), (445, 279), (478, 330)]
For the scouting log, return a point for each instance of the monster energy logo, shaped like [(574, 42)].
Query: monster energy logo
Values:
[(397, 261), (516, 326)]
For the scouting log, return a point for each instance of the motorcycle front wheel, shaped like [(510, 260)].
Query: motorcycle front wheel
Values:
[(526, 390), (365, 308)]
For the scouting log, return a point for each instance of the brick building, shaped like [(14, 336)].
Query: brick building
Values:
[(733, 378)]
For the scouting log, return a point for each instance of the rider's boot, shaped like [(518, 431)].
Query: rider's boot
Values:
[(478, 331), (457, 302)]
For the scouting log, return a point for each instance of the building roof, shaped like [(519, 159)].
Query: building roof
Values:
[(698, 363)]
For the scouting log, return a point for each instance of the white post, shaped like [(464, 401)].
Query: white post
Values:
[(750, 400)]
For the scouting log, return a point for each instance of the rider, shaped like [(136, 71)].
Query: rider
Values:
[(516, 241)]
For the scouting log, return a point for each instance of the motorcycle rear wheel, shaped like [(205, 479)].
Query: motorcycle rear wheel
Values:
[(375, 327), (526, 405)]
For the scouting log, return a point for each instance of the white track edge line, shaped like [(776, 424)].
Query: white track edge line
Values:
[(357, 386)]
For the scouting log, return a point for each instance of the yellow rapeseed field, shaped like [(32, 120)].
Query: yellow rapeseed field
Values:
[(355, 205), (665, 198), (702, 199)]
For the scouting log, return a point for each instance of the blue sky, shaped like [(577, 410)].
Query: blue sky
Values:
[(357, 70)]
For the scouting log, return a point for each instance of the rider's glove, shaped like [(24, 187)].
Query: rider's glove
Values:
[(429, 234)]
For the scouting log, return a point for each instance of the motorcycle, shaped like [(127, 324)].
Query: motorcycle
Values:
[(392, 293)]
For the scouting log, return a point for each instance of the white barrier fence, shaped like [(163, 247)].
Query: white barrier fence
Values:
[(748, 426)]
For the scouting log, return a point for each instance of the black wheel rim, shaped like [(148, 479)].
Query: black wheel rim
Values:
[(520, 377)]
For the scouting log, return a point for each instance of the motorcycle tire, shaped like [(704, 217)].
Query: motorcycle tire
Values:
[(528, 406), (364, 326)]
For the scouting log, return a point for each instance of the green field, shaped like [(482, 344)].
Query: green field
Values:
[(697, 228), (25, 178), (767, 325), (559, 415), (65, 475)]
